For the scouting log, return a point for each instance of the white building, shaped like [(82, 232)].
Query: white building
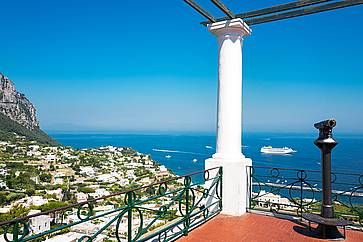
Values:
[(33, 153), (100, 193), (59, 178), (73, 237), (34, 147), (87, 170), (2, 185), (163, 168), (58, 193), (130, 174), (50, 157), (269, 200), (81, 197), (110, 178), (3, 143), (5, 209), (39, 224), (100, 209), (37, 200), (85, 228), (123, 181)]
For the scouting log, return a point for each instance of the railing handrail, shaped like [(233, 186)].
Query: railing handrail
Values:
[(102, 198), (303, 196)]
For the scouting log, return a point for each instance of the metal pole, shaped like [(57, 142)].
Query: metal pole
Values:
[(325, 142), (327, 207)]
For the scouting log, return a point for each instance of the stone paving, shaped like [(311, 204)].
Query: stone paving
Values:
[(256, 228)]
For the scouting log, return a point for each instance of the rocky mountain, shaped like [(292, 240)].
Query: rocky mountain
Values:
[(15, 105), (18, 114)]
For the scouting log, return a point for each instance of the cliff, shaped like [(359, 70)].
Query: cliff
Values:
[(18, 114)]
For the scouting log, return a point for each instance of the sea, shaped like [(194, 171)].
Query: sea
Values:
[(186, 153)]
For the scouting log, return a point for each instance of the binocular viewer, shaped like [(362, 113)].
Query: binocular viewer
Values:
[(326, 124)]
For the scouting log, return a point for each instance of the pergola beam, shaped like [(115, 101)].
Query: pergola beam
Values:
[(274, 9), (304, 11), (280, 8), (279, 12), (200, 10), (224, 9)]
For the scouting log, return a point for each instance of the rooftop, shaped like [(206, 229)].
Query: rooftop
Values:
[(254, 227)]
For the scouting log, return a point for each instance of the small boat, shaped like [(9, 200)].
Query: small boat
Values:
[(168, 156), (195, 160), (278, 151), (208, 147)]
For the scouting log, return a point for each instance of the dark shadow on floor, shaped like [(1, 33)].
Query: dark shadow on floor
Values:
[(304, 230)]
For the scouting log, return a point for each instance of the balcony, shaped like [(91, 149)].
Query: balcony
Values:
[(190, 208), (254, 227), (277, 199)]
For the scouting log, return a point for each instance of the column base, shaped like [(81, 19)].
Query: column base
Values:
[(234, 183), (329, 232)]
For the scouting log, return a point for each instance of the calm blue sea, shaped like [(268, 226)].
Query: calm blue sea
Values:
[(188, 152), (183, 149)]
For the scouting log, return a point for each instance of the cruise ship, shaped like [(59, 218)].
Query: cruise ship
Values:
[(283, 151)]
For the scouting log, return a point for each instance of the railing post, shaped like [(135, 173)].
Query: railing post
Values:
[(129, 215), (301, 192), (249, 184), (187, 182), (16, 232)]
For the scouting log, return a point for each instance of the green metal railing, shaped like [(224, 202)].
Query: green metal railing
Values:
[(163, 211), (293, 192)]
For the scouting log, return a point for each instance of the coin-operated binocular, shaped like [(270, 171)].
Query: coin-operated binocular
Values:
[(325, 128), (326, 143)]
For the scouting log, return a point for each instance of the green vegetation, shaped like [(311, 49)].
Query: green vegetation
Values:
[(52, 205), (45, 177), (92, 160), (20, 177), (141, 172), (7, 197), (16, 212), (8, 127), (22, 182), (86, 189)]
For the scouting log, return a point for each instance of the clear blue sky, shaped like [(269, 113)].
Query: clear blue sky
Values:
[(149, 65)]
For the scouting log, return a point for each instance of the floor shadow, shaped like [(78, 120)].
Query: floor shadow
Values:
[(301, 227), (304, 230)]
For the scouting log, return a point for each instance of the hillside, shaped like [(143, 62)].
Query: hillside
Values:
[(8, 127)]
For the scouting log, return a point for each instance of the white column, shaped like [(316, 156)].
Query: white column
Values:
[(229, 120)]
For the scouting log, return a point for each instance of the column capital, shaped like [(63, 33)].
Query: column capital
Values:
[(230, 27)]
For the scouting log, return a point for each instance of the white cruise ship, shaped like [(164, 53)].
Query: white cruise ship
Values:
[(277, 151)]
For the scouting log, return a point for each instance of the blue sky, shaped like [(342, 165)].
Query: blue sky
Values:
[(150, 66)]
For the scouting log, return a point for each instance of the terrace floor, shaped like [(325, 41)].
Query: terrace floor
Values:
[(253, 228)]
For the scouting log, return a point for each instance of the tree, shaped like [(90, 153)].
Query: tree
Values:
[(52, 205), (21, 182), (45, 177), (16, 212), (86, 189)]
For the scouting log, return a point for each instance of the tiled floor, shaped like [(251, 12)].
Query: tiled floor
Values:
[(253, 227)]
